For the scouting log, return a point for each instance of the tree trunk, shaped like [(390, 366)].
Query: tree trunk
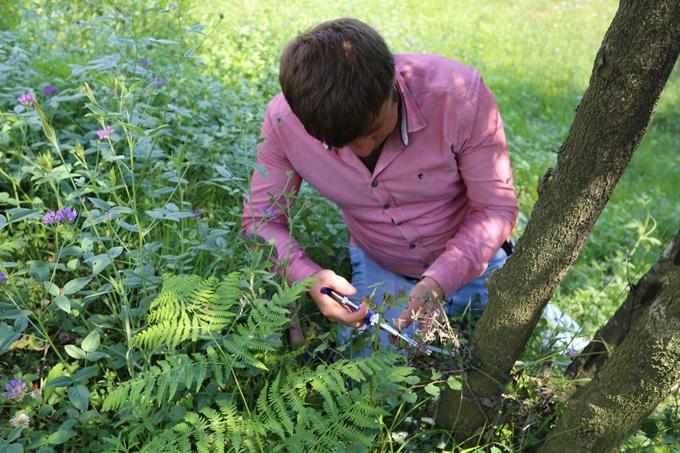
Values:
[(636, 57), (638, 375), (595, 354)]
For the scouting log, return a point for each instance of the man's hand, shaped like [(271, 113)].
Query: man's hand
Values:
[(332, 310), (425, 303)]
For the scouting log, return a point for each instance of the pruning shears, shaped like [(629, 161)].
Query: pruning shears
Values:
[(372, 319)]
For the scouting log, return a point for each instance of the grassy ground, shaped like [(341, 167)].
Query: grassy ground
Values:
[(164, 192)]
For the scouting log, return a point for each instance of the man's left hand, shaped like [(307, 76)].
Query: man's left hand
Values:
[(425, 303)]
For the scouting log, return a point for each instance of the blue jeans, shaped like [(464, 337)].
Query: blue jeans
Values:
[(368, 276)]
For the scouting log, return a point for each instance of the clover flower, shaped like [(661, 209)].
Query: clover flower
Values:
[(105, 133), (15, 389), (3, 277), (21, 420), (271, 212), (26, 99), (159, 81), (65, 215), (145, 63), (49, 90)]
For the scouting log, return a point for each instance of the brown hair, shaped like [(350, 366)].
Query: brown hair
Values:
[(335, 77)]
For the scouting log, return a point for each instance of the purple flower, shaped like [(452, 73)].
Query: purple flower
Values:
[(198, 212), (271, 212), (50, 218), (159, 81), (65, 215), (105, 133), (570, 352), (68, 214), (145, 63), (49, 90), (15, 389), (26, 99), (3, 277)]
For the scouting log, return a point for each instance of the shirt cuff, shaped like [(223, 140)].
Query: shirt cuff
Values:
[(301, 269), (449, 270)]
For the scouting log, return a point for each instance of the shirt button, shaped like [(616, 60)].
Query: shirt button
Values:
[(374, 184), (411, 246), (386, 206)]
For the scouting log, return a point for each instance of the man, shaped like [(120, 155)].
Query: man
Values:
[(412, 150)]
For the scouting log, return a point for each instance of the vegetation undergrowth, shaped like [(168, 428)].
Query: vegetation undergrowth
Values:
[(133, 313)]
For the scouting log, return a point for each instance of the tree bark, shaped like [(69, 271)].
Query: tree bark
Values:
[(636, 57), (595, 354), (638, 375)]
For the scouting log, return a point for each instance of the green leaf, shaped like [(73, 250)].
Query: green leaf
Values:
[(60, 437), (61, 381), (14, 448), (19, 214), (7, 337), (409, 397), (3, 222), (79, 396), (96, 355), (432, 389), (413, 379), (454, 383), (20, 324), (100, 262), (75, 352), (16, 432), (64, 303), (76, 285), (52, 288), (91, 342), (84, 374)]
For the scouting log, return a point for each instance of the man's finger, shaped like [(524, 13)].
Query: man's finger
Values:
[(352, 318), (404, 320)]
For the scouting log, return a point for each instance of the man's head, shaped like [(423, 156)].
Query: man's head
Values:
[(338, 79)]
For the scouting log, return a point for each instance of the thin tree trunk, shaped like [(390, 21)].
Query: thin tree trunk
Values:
[(636, 57), (638, 375), (595, 354)]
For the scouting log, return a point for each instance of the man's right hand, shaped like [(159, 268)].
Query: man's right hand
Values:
[(332, 310)]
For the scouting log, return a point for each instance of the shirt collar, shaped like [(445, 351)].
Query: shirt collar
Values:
[(412, 115)]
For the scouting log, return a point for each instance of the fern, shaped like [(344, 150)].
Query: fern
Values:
[(327, 408), (285, 417), (187, 308)]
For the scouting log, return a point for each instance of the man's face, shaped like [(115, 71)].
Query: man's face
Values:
[(382, 127)]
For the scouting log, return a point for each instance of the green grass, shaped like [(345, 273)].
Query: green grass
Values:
[(535, 55)]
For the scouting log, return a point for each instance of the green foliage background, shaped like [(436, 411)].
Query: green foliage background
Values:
[(130, 358)]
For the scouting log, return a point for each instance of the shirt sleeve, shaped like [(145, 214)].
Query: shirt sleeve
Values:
[(484, 164), (273, 188)]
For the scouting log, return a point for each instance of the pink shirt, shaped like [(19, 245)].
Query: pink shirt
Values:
[(440, 201)]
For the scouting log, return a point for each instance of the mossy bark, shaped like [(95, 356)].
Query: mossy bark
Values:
[(636, 57), (638, 375), (596, 353)]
